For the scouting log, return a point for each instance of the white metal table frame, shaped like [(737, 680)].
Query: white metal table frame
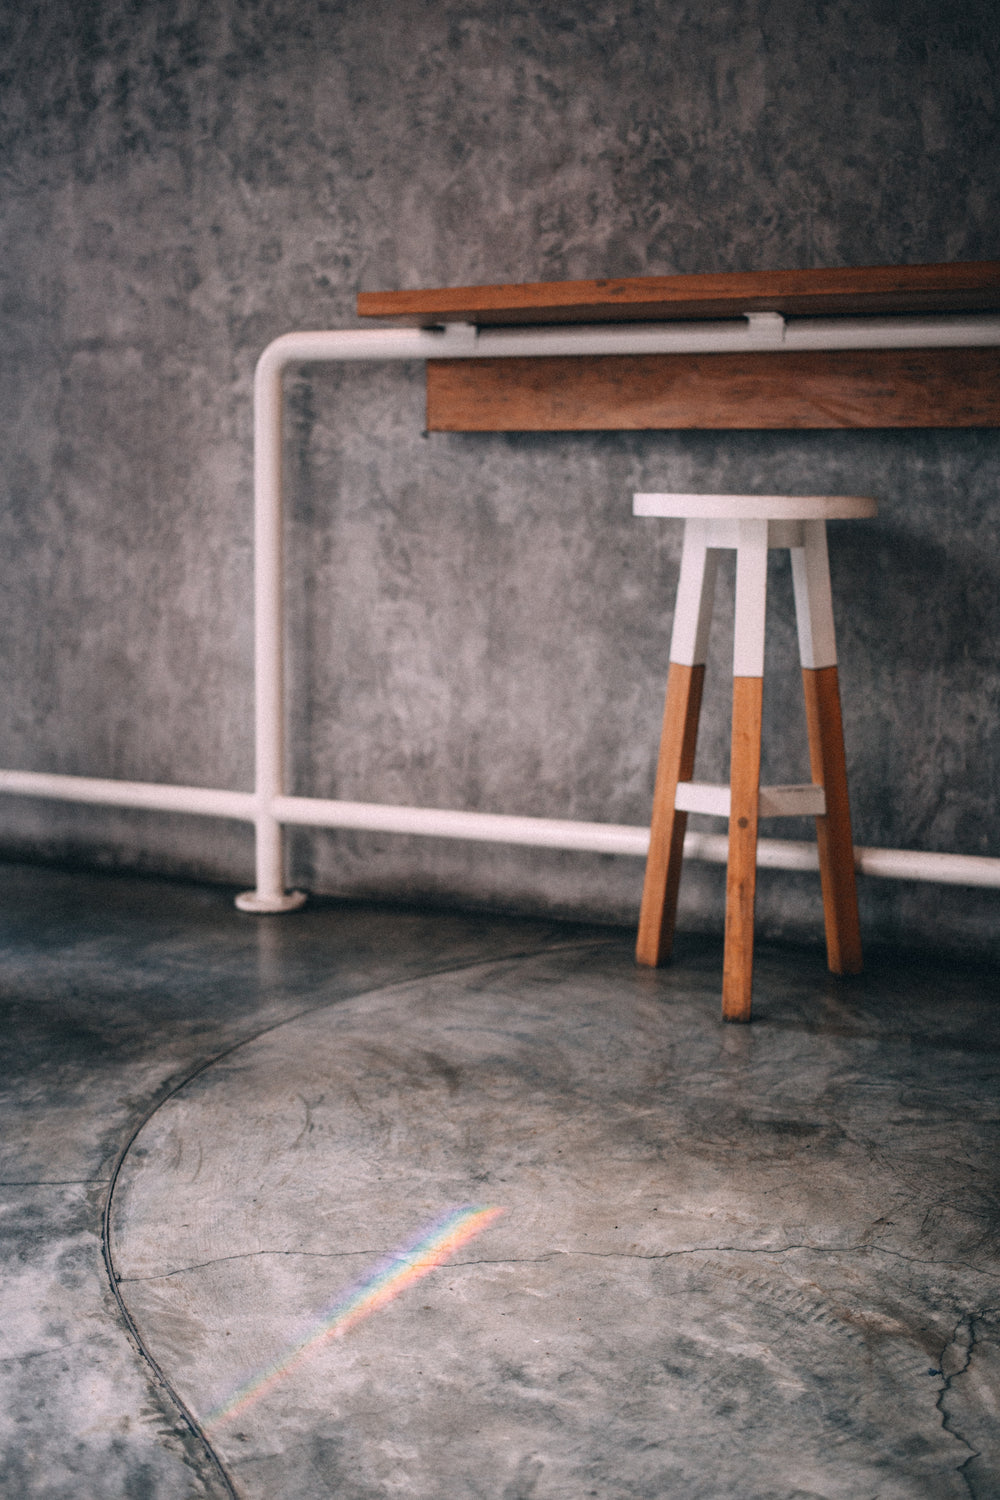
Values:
[(269, 807)]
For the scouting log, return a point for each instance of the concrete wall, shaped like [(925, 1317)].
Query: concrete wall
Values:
[(478, 621)]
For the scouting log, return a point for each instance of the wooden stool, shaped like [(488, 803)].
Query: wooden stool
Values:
[(751, 524)]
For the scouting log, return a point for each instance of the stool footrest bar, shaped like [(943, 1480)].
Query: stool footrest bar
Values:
[(805, 800)]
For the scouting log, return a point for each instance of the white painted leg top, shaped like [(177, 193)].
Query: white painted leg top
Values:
[(814, 598), (695, 597), (751, 599)]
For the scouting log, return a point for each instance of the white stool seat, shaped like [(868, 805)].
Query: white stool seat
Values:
[(751, 525), (757, 507)]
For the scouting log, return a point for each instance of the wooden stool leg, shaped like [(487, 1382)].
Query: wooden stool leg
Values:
[(741, 878), (744, 767), (688, 646), (833, 832), (817, 645), (658, 913)]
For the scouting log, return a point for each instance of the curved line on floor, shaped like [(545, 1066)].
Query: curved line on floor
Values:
[(188, 1416)]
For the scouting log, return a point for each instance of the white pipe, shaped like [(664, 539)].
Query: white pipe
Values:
[(944, 869), (489, 828), (496, 828), (269, 651), (204, 801), (621, 838), (744, 335), (731, 335)]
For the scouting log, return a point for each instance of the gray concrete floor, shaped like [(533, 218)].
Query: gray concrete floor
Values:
[(725, 1262)]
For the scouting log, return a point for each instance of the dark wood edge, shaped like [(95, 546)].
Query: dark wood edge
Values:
[(969, 286)]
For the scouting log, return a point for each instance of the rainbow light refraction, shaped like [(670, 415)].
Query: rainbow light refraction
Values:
[(436, 1244)]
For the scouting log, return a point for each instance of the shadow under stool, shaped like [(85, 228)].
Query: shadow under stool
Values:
[(751, 524)]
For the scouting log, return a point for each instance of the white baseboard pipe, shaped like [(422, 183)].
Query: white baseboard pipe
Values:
[(485, 828), (493, 828), (623, 838), (152, 796)]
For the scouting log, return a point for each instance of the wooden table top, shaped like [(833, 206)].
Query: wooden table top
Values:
[(970, 286)]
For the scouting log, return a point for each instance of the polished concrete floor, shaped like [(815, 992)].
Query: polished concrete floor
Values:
[(368, 1202)]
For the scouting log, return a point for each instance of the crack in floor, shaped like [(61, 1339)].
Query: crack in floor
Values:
[(520, 1260), (966, 1321)]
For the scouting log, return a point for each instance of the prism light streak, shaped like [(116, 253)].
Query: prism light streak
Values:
[(402, 1269)]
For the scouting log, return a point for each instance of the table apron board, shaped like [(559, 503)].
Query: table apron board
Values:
[(270, 808), (787, 389)]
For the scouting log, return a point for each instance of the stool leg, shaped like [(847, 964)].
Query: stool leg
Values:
[(658, 913), (833, 832), (741, 877), (744, 768), (688, 647), (817, 646)]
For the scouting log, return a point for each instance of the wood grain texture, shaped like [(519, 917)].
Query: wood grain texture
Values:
[(805, 389), (678, 740), (972, 286), (741, 875), (833, 831)]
